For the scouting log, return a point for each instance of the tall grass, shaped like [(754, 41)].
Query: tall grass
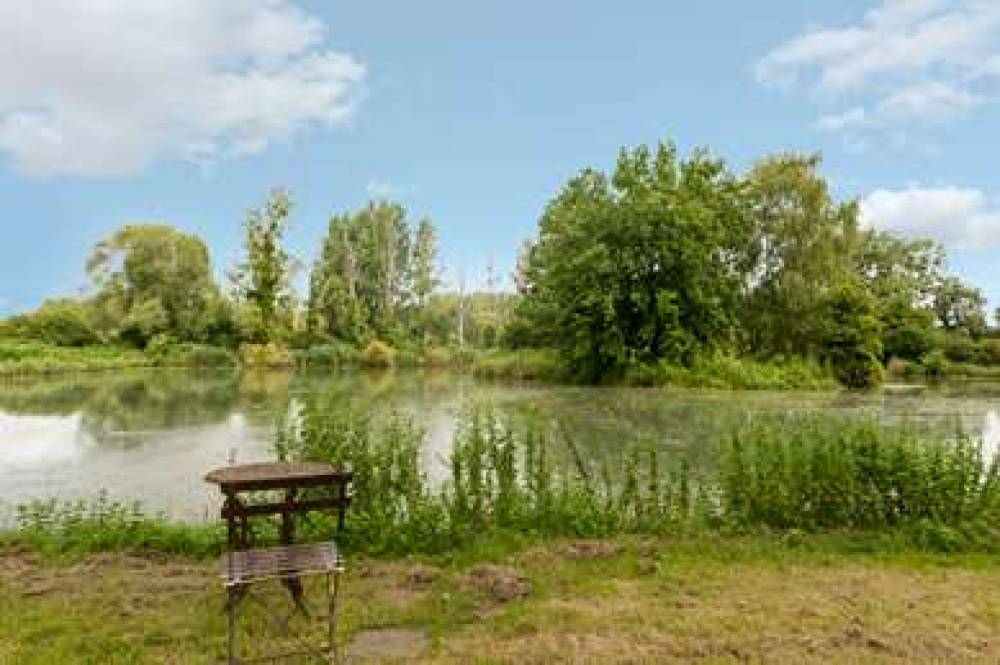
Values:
[(102, 524), (821, 473)]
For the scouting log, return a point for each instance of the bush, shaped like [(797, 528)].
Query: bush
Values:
[(378, 354), (270, 355), (62, 322), (167, 352), (935, 364), (102, 524), (958, 347), (333, 355), (520, 365), (722, 370)]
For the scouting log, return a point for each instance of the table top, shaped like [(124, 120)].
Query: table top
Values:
[(275, 475)]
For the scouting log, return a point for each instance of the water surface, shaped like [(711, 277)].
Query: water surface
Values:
[(152, 435)]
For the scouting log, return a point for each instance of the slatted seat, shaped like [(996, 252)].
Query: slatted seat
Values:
[(263, 563)]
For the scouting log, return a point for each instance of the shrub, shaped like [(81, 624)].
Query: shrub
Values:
[(62, 322), (102, 524), (167, 352), (935, 364), (333, 355), (378, 354), (270, 355), (520, 365), (438, 357)]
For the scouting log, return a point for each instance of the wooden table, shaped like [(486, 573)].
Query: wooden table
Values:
[(289, 477)]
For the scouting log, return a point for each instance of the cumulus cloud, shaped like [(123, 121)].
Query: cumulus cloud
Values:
[(103, 89), (911, 61), (954, 215)]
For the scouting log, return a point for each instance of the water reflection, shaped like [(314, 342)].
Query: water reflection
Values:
[(152, 435)]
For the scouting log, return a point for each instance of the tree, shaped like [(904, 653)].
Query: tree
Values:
[(851, 334), (424, 262), (960, 307), (642, 266), (373, 274), (803, 243), (263, 280), (151, 279)]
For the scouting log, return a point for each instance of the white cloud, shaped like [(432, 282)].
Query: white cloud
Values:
[(954, 215), (929, 101), (911, 61), (104, 88), (835, 122)]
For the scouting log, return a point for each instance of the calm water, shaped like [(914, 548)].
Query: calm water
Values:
[(152, 435)]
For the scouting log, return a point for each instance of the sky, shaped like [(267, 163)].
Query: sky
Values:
[(473, 114)]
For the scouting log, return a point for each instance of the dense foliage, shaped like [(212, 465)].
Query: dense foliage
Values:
[(669, 259), (666, 269)]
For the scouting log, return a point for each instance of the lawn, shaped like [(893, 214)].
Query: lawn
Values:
[(706, 599)]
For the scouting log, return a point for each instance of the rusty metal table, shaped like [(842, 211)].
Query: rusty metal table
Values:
[(245, 488)]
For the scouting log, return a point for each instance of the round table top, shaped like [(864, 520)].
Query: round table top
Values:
[(273, 474)]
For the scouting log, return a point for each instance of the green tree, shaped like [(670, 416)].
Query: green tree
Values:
[(152, 279), (373, 273), (851, 334), (644, 265), (960, 307), (424, 262), (263, 281), (803, 242)]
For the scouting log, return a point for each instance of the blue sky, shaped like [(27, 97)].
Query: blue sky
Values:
[(473, 114)]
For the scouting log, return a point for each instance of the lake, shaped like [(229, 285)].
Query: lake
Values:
[(151, 435)]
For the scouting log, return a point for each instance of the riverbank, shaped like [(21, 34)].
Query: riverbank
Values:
[(627, 599), (31, 358)]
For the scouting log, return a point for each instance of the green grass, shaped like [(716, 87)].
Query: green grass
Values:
[(27, 357), (30, 357), (54, 527), (628, 599)]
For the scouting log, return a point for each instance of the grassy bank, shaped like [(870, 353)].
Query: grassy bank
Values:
[(652, 599), (26, 357), (29, 357)]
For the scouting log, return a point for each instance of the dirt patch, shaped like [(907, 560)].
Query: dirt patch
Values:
[(591, 549), (386, 643), (420, 575), (500, 583)]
